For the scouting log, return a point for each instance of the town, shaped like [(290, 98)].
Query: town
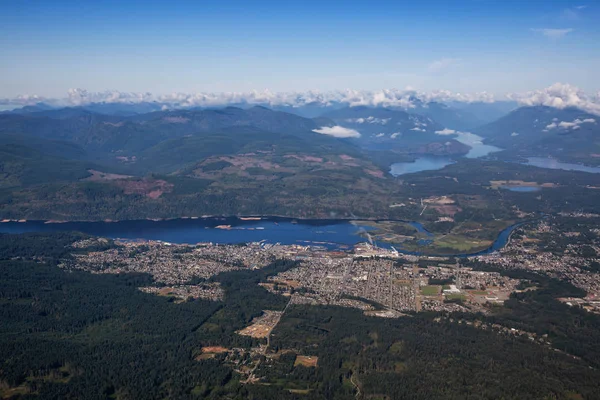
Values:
[(379, 281)]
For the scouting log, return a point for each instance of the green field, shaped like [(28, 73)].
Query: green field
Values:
[(456, 296), (430, 290)]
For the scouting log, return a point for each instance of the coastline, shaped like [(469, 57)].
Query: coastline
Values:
[(223, 223)]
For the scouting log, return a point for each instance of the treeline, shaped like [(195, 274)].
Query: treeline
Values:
[(570, 329), (38, 245), (100, 333), (73, 335), (418, 358)]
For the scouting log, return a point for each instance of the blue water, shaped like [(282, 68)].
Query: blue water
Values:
[(478, 149), (420, 228), (545, 162), (332, 234), (328, 233), (432, 163), (521, 189), (427, 163)]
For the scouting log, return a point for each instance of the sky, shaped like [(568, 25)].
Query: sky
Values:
[(162, 47)]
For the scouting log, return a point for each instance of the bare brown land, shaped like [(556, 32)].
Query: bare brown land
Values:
[(497, 184), (306, 361)]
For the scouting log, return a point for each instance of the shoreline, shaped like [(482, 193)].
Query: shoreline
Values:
[(242, 218), (497, 244)]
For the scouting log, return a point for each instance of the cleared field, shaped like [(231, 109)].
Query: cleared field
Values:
[(210, 352), (462, 243), (215, 349), (306, 361), (256, 331), (299, 391), (261, 326), (166, 291), (497, 184)]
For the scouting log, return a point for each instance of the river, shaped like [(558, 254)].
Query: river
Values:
[(331, 234)]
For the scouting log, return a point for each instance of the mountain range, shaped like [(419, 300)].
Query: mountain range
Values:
[(569, 133), (257, 158)]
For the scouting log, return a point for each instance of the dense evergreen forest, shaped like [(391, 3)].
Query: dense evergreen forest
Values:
[(74, 335)]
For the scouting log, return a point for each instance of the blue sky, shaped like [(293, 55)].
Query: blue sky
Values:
[(161, 47)]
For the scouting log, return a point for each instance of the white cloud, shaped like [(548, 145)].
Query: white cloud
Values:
[(406, 99), (23, 100), (395, 135), (553, 33), (356, 120), (443, 64), (514, 134), (567, 125), (446, 131), (369, 120), (576, 124), (79, 97), (338, 131), (560, 96), (446, 96)]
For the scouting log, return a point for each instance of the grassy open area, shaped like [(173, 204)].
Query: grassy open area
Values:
[(456, 296), (461, 243), (430, 290)]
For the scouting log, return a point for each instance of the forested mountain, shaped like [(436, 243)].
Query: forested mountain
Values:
[(109, 133), (449, 117), (567, 133), (485, 112), (72, 163), (397, 129), (201, 120), (175, 153), (393, 124), (27, 160)]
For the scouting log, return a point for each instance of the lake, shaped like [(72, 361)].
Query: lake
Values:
[(522, 189), (432, 163), (551, 163), (331, 234), (478, 149), (426, 163)]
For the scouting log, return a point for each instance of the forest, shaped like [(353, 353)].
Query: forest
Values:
[(71, 335)]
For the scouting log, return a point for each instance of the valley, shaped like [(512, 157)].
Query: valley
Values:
[(271, 200), (250, 252)]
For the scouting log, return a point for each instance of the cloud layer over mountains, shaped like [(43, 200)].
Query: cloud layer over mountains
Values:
[(576, 124), (385, 98), (558, 95), (338, 131)]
